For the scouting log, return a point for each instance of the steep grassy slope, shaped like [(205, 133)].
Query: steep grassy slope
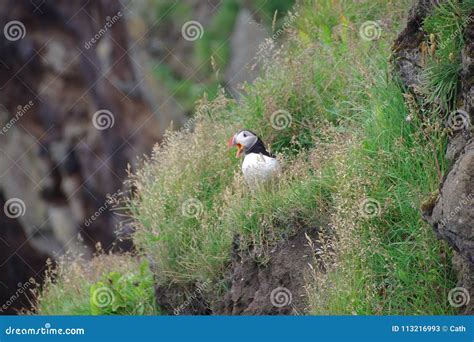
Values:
[(355, 156)]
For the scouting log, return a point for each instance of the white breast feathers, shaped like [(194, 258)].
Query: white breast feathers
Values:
[(258, 168)]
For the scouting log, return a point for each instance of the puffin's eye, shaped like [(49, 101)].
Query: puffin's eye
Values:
[(245, 135)]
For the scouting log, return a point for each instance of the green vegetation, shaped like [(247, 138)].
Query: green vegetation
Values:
[(443, 52), (359, 156), (215, 41), (107, 285), (211, 53), (126, 294)]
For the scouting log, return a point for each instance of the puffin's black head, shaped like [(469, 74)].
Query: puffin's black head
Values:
[(248, 142)]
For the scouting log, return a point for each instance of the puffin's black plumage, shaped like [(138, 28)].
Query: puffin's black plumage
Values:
[(258, 147)]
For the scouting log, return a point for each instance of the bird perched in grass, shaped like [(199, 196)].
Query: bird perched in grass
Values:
[(259, 165)]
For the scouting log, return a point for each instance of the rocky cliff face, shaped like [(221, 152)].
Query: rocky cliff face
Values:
[(452, 215), (272, 288), (20, 266), (74, 113)]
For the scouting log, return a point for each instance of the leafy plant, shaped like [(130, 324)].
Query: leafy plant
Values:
[(124, 294), (105, 285)]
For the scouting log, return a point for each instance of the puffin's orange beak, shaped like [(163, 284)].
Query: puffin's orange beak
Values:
[(232, 143), (240, 149)]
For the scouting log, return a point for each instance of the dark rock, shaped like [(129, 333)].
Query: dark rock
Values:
[(453, 214), (66, 68), (258, 283), (272, 287), (179, 300), (453, 217), (19, 262), (407, 49), (53, 157)]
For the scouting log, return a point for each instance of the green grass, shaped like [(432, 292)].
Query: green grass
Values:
[(393, 259), (354, 136), (211, 53), (445, 40), (106, 285)]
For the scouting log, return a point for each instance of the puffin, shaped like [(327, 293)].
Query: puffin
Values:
[(259, 165)]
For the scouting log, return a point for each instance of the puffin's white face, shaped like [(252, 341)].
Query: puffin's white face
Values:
[(244, 140)]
